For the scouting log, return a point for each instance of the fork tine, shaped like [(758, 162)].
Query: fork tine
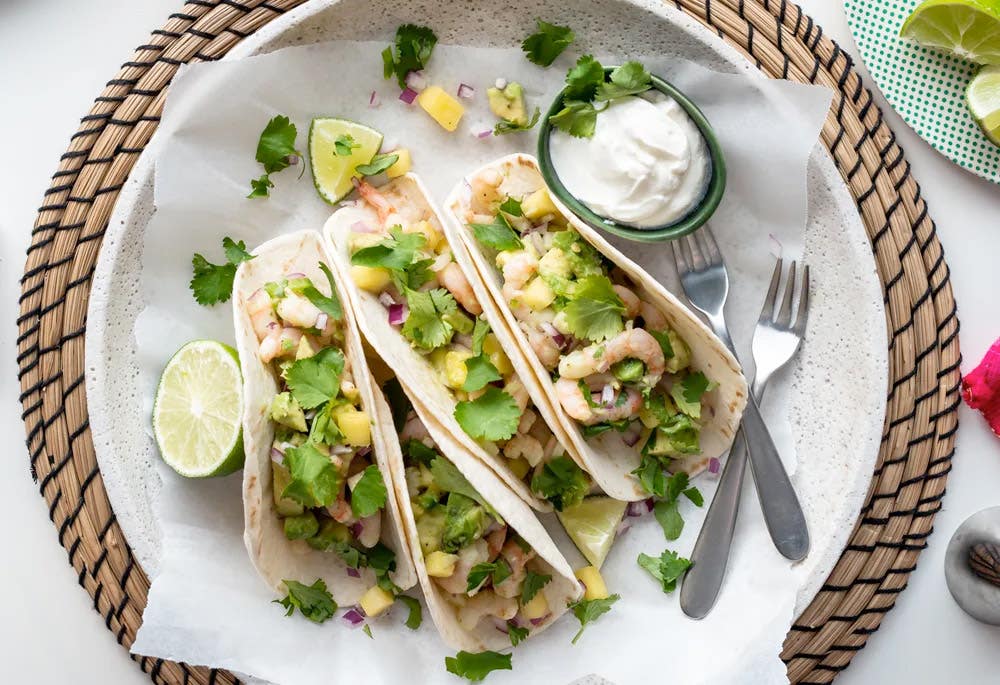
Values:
[(679, 260), (709, 246), (784, 317), (802, 315), (697, 260), (767, 311)]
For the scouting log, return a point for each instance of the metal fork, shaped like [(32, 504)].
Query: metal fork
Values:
[(706, 284), (776, 339)]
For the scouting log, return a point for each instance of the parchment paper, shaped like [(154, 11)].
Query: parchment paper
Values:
[(206, 605)]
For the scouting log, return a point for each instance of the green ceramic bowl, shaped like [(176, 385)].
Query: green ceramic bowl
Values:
[(689, 223)]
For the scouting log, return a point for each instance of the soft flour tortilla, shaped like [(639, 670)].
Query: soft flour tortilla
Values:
[(413, 369), (559, 592), (607, 459), (276, 557)]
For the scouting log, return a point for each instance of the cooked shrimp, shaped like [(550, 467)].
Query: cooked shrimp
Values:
[(261, 313), (515, 388), (545, 347), (517, 271), (516, 558), (495, 540), (636, 343), (414, 429), (486, 603), (485, 192), (524, 447), (630, 299), (296, 310), (528, 418), (652, 318), (376, 199), (340, 510), (572, 399), (476, 553), (452, 278), (280, 342)]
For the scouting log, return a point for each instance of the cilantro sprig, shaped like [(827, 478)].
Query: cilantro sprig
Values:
[(533, 583), (313, 601), (667, 511), (275, 152), (344, 145), (589, 610), (497, 571), (666, 568), (475, 666), (413, 48), (378, 164), (561, 482), (315, 481), (587, 83), (543, 46), (595, 310), (416, 613), (505, 126), (516, 633), (213, 283)]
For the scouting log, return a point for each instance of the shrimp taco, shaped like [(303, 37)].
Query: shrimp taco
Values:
[(638, 383), (449, 347), (490, 573), (317, 479)]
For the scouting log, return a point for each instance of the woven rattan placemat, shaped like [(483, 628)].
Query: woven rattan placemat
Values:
[(921, 418)]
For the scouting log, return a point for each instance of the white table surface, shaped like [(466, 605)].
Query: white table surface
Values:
[(55, 58)]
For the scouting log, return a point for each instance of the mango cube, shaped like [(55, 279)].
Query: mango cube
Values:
[(593, 581), (356, 428), (442, 107), (375, 601), (499, 359), (455, 370), (440, 564), (305, 349), (538, 295), (538, 204), (431, 234), (401, 165), (537, 608), (374, 279)]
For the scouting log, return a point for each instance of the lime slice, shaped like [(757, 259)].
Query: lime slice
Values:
[(591, 525), (331, 171), (196, 414), (967, 28), (983, 98)]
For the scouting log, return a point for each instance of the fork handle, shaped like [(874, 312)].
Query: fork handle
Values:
[(782, 512)]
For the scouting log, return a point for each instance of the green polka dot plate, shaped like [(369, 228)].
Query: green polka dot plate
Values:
[(925, 86)]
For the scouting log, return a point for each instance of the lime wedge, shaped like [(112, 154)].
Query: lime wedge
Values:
[(969, 29), (332, 169), (983, 98), (591, 525), (196, 414)]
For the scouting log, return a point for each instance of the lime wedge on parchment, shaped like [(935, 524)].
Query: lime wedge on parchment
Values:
[(983, 98), (332, 172), (591, 525), (969, 29), (196, 414)]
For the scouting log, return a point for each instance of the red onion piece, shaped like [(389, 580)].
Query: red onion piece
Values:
[(397, 314), (632, 433), (373, 100), (295, 275), (623, 526), (539, 621), (353, 617), (466, 91), (558, 338), (714, 465), (321, 320), (273, 326), (362, 227), (386, 299), (607, 395), (639, 508), (408, 95), (277, 455), (356, 529), (485, 134), (353, 572), (416, 80), (500, 624)]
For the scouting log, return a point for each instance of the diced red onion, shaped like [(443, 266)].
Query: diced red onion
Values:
[(321, 320), (485, 133), (362, 227), (397, 314), (356, 529), (408, 95), (607, 395), (416, 80), (353, 572), (632, 433), (539, 621), (625, 524), (386, 299), (640, 508), (273, 326), (373, 100), (364, 451), (558, 338), (466, 91), (277, 455), (714, 465), (501, 625), (295, 275), (353, 617)]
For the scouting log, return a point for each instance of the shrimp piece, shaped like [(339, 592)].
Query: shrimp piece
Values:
[(636, 343), (575, 404), (340, 510), (261, 313), (652, 318), (517, 271), (281, 342), (486, 603), (517, 559), (526, 447), (545, 348), (383, 208), (528, 418), (630, 299), (457, 583), (452, 278), (297, 311), (414, 429), (515, 388), (485, 192), (495, 540)]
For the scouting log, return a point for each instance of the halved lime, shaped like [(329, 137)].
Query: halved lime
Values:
[(591, 525), (983, 98), (196, 414), (969, 29), (332, 164)]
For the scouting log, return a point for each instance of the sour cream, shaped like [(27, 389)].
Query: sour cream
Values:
[(646, 165)]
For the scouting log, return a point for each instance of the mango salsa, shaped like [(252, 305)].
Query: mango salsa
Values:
[(499, 359), (442, 107), (538, 295), (401, 165), (375, 601), (440, 564), (356, 428), (372, 279), (593, 581), (538, 607), (538, 204)]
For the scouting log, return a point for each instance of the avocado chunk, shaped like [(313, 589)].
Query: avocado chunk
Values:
[(628, 370), (509, 103), (329, 534), (682, 353), (459, 321), (429, 529), (464, 523), (285, 410), (301, 527), (678, 436), (280, 479)]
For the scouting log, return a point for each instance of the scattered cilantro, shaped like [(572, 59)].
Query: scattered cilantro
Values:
[(505, 126), (315, 481), (585, 83), (589, 610), (687, 393), (516, 633), (533, 583), (275, 151), (367, 630), (313, 601), (650, 474), (595, 312), (480, 372), (499, 235), (561, 482), (413, 48), (476, 666), (324, 428), (669, 517), (450, 479), (630, 78), (344, 145), (260, 187), (511, 206), (379, 163), (666, 568), (494, 415), (425, 324), (479, 333), (395, 253), (213, 283), (382, 561), (416, 614), (498, 571), (667, 511), (576, 118), (369, 494), (419, 452), (543, 47), (329, 305), (596, 429), (315, 380), (583, 79)]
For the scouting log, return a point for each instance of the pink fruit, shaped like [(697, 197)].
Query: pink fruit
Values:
[(981, 387)]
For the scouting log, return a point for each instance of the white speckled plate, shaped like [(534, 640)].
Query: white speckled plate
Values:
[(836, 450)]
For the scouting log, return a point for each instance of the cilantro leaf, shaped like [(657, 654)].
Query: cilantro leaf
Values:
[(576, 118), (494, 415), (533, 583), (313, 601), (650, 474), (667, 568), (630, 78), (425, 324), (275, 151), (329, 305), (583, 79), (476, 666), (589, 610), (344, 145), (259, 187), (416, 615), (324, 428), (450, 479), (369, 493), (595, 310), (419, 452), (315, 380), (213, 283), (687, 394), (669, 518), (479, 372), (479, 333), (675, 485), (315, 481), (543, 47), (499, 235), (694, 494), (413, 48), (511, 206), (663, 338), (516, 633), (478, 574), (561, 482), (395, 253), (503, 571), (505, 126), (379, 163)]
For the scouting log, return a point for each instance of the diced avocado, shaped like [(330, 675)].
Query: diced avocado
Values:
[(555, 262), (301, 527), (280, 479), (459, 321), (682, 353), (509, 103), (305, 349), (285, 410), (679, 436), (330, 533), (465, 522), (628, 370), (584, 259), (429, 529)]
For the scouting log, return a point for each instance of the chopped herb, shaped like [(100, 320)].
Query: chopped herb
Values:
[(379, 163), (395, 253), (533, 583), (561, 482), (419, 452), (543, 47), (585, 83), (589, 610), (416, 614), (498, 571), (494, 415), (275, 151), (595, 312), (630, 78), (413, 47), (367, 630), (688, 392), (213, 283), (583, 79), (596, 429), (516, 633), (315, 481), (664, 339), (511, 206), (480, 372), (369, 494), (577, 118), (499, 235), (313, 601), (344, 145), (260, 187), (425, 324), (666, 568), (479, 333), (450, 479), (329, 305), (476, 666), (315, 380)]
